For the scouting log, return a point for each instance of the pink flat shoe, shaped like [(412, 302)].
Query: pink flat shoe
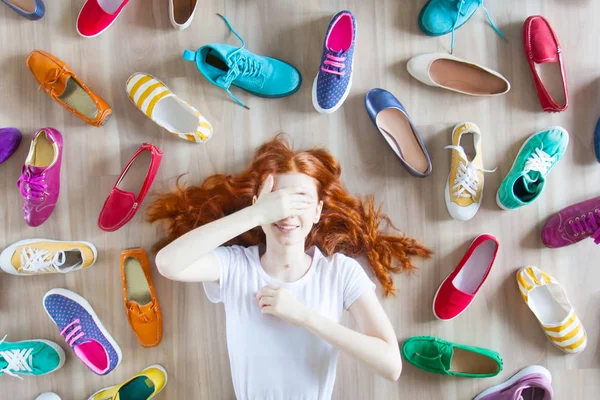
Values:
[(96, 16)]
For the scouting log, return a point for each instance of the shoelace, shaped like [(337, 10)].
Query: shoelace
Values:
[(466, 182), (459, 5), (40, 260), (587, 225), (74, 334), (539, 161), (19, 360), (33, 186), (51, 78), (334, 61), (135, 308), (238, 64)]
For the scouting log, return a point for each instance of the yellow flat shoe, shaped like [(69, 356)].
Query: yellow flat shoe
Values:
[(143, 386)]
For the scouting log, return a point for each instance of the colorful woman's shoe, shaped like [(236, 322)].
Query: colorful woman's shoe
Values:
[(545, 58), (459, 289), (334, 80), (531, 383), (464, 187), (439, 356), (461, 76), (143, 386), (182, 13), (224, 65), (96, 16), (30, 357), (550, 305), (526, 179), (141, 303), (130, 189), (439, 17), (10, 138), (43, 256), (573, 224), (153, 98), (82, 330), (39, 182), (30, 9), (61, 84), (597, 140), (393, 122)]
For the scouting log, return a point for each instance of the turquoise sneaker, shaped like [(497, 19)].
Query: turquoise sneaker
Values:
[(224, 65), (440, 17), (30, 357), (525, 181)]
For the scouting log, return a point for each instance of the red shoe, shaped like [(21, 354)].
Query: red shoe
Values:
[(122, 202), (460, 287), (96, 16), (545, 57)]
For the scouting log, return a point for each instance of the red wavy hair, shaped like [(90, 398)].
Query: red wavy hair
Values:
[(349, 225)]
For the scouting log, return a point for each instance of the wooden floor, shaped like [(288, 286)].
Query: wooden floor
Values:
[(194, 349)]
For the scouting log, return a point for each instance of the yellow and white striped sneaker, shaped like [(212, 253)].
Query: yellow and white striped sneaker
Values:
[(550, 305), (162, 106)]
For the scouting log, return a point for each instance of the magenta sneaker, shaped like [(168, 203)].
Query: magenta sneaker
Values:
[(40, 178), (531, 383), (573, 224), (10, 138)]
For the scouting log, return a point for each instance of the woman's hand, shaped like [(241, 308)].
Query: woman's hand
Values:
[(273, 206), (282, 304)]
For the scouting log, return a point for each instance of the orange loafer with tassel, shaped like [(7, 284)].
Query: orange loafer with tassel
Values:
[(61, 84), (141, 304)]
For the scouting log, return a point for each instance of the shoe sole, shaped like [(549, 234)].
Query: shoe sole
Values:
[(560, 128), (447, 189), (6, 255), (534, 369), (84, 303), (145, 369)]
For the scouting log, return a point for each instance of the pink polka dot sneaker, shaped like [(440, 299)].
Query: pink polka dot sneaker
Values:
[(332, 84)]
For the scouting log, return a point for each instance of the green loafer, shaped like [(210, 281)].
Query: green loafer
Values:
[(439, 356), (224, 65), (526, 179)]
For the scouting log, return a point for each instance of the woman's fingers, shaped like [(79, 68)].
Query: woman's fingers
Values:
[(268, 290), (266, 310), (267, 186), (265, 301)]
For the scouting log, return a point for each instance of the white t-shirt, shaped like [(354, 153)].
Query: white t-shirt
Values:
[(272, 359)]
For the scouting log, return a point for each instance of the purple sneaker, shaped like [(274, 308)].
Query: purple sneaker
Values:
[(531, 383), (40, 178), (573, 224), (82, 330), (332, 84), (10, 138)]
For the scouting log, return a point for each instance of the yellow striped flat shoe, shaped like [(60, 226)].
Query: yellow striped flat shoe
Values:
[(159, 104), (550, 305)]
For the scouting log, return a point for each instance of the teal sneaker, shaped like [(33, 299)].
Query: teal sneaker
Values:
[(30, 357), (440, 17), (224, 65), (526, 179)]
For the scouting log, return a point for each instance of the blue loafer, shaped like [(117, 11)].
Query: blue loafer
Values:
[(597, 140), (35, 11), (394, 124), (224, 65)]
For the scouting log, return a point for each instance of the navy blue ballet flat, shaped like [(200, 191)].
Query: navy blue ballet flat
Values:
[(394, 124), (30, 9)]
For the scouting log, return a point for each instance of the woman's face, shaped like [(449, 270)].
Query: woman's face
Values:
[(293, 230)]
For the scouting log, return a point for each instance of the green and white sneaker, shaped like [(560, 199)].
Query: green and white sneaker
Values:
[(30, 357), (526, 179)]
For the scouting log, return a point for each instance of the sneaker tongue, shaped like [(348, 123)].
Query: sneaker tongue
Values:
[(35, 170)]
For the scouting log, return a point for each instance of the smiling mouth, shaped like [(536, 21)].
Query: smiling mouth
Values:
[(286, 228)]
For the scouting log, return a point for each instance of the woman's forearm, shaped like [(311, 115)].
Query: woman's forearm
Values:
[(379, 355)]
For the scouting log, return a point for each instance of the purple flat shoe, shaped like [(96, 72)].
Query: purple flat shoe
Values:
[(40, 178), (531, 383), (573, 224), (10, 138)]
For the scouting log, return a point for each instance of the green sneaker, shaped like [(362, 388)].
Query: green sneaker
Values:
[(224, 65), (526, 179), (439, 356), (30, 357)]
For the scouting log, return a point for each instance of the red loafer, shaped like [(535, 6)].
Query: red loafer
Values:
[(546, 61), (460, 287), (96, 16), (137, 177)]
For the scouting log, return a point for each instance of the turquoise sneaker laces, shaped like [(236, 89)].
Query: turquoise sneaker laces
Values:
[(460, 4), (238, 65)]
